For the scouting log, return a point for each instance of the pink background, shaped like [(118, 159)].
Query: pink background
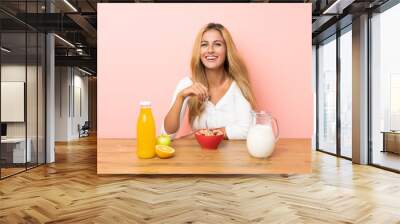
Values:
[(145, 49)]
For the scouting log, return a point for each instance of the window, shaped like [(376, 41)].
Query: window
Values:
[(327, 95), (395, 101), (385, 88), (346, 93)]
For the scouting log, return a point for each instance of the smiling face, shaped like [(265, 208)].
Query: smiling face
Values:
[(212, 49)]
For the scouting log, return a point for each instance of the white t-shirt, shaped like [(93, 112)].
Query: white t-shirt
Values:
[(232, 111)]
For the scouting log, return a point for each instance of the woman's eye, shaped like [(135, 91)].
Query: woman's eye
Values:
[(203, 45), (218, 44)]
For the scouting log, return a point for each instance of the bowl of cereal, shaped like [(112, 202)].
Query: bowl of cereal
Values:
[(209, 139)]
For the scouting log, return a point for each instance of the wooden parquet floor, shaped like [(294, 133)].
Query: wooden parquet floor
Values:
[(69, 191)]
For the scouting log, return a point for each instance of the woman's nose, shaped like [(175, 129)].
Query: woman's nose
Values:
[(210, 49)]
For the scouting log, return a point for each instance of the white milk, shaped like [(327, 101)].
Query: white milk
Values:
[(260, 141)]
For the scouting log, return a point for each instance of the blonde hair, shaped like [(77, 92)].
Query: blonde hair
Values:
[(233, 66)]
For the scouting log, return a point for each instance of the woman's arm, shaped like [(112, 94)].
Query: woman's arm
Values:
[(175, 114), (172, 120), (240, 128)]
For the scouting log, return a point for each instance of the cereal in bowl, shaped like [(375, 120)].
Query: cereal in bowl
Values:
[(208, 132)]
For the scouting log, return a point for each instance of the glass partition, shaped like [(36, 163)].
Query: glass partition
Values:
[(41, 87), (22, 77), (32, 95), (13, 104)]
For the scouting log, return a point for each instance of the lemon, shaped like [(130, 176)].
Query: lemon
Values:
[(164, 151)]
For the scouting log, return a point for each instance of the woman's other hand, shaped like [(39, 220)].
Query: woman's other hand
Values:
[(196, 89)]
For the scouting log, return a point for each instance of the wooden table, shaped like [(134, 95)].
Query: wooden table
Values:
[(118, 156)]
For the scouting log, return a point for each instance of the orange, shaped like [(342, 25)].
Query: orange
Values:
[(164, 151)]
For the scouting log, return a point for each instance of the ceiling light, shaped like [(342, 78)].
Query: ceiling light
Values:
[(5, 50), (65, 41), (84, 71), (79, 51), (70, 5), (338, 6)]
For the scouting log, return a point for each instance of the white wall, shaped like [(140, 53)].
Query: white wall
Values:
[(62, 82), (10, 73), (82, 84), (15, 72), (33, 127), (70, 83)]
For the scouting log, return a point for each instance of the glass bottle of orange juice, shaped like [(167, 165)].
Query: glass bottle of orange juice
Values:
[(146, 132)]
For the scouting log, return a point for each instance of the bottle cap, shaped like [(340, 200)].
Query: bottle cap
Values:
[(145, 103)]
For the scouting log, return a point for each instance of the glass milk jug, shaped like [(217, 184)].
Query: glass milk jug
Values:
[(261, 138), (146, 132)]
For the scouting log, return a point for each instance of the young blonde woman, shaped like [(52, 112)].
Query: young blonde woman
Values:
[(218, 93)]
